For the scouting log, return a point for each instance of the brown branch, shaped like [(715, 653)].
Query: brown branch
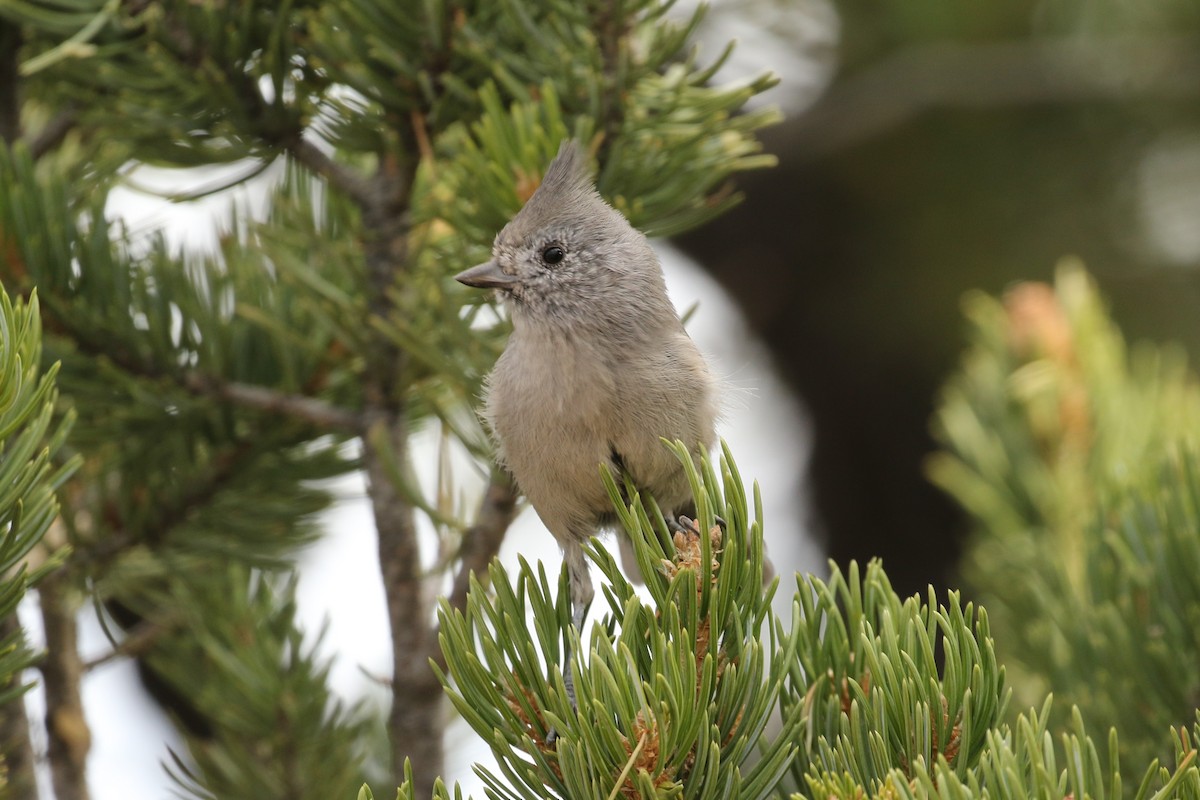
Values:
[(10, 87), (416, 694), (416, 719), (482, 540), (15, 743), (354, 185), (52, 135), (62, 672), (136, 642), (612, 30), (261, 398), (1028, 72)]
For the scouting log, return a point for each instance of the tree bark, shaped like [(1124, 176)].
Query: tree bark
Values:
[(15, 746), (414, 723), (62, 672), (10, 105)]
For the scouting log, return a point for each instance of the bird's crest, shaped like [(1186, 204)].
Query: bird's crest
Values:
[(566, 187), (567, 173)]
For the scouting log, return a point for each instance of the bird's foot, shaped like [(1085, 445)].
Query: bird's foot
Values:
[(689, 525), (681, 525)]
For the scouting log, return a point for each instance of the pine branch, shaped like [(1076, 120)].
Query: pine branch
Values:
[(275, 729), (482, 540), (307, 409), (260, 398), (416, 697), (62, 672), (228, 467), (674, 692), (354, 185), (136, 642), (15, 745), (10, 108), (27, 508), (1075, 454), (52, 135)]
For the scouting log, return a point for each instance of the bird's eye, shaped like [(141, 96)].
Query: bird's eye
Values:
[(553, 254)]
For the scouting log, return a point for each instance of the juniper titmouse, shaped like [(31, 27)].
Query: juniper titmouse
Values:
[(598, 368)]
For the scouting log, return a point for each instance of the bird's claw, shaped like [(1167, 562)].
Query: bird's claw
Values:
[(688, 525), (681, 525)]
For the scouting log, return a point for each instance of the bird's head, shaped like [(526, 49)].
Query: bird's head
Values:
[(568, 257)]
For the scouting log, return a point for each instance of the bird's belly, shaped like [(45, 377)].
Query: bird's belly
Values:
[(556, 460)]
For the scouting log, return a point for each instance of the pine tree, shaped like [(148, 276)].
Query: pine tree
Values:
[(1078, 456), (216, 391), (207, 396)]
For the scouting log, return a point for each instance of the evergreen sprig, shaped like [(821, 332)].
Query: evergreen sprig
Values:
[(878, 696), (1076, 454), (180, 493), (885, 684), (673, 696), (148, 338), (29, 438), (216, 391), (275, 722)]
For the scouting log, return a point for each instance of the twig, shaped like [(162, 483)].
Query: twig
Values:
[(483, 539), (53, 133), (136, 642), (15, 743), (421, 135), (263, 399), (481, 542), (62, 672), (355, 186), (10, 108)]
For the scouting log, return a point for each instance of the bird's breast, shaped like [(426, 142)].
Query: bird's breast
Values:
[(560, 407), (549, 405)]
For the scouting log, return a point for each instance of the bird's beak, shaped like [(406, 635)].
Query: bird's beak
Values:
[(487, 275)]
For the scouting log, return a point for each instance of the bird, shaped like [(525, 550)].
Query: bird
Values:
[(598, 368)]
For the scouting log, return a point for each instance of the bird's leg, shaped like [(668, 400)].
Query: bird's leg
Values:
[(582, 592)]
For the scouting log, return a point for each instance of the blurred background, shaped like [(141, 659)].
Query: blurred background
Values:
[(931, 148), (928, 148)]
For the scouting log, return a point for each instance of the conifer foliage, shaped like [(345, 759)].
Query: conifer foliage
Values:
[(701, 692), (29, 439), (188, 408), (215, 392), (1077, 455)]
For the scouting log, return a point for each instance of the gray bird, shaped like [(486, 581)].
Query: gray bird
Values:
[(598, 368)]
